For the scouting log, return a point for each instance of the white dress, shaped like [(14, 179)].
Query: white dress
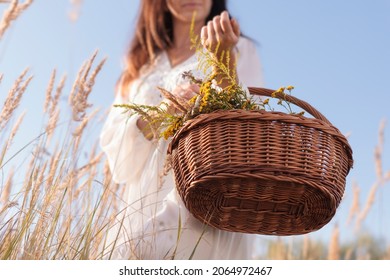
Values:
[(153, 222)]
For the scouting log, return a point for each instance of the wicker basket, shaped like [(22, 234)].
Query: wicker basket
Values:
[(261, 172)]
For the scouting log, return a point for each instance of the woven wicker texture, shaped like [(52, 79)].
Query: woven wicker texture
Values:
[(261, 172)]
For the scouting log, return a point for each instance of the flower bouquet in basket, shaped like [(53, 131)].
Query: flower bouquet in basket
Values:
[(242, 166)]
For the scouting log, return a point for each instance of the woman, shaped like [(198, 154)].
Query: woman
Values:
[(154, 223)]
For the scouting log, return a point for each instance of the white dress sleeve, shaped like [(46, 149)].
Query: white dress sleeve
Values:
[(249, 69), (125, 146)]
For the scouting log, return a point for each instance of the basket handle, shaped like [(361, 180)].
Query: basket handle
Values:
[(294, 100)]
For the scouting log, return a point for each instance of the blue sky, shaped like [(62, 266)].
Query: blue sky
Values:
[(335, 53)]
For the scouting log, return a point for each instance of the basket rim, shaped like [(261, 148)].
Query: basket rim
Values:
[(271, 116)]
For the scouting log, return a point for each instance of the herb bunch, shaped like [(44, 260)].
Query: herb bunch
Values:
[(211, 96)]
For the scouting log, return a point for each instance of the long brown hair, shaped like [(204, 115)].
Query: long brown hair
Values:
[(153, 34)]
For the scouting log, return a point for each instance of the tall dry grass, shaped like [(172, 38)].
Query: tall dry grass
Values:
[(12, 13), (61, 204), (63, 207)]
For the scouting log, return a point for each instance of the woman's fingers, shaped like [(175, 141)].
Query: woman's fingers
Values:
[(211, 38), (186, 91), (191, 91), (221, 30), (218, 28), (203, 35), (225, 23), (236, 27)]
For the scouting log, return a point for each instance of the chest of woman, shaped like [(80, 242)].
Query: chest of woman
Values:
[(160, 74)]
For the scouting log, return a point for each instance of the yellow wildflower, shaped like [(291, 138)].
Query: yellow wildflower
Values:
[(289, 88), (168, 132), (206, 94), (192, 100)]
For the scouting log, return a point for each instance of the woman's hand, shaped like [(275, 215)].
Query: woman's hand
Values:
[(222, 32), (183, 93), (186, 91), (220, 36)]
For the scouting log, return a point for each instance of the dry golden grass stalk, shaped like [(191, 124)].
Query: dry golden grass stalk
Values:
[(111, 187), (277, 250), (290, 249), (348, 253), (12, 13), (10, 138), (355, 206), (79, 130), (305, 247), (107, 173), (24, 6), (53, 166), (380, 180), (35, 187), (49, 91), (51, 104), (8, 17), (90, 82), (379, 151), (7, 237), (7, 206), (334, 247), (387, 176), (74, 14), (13, 99), (14, 130), (42, 174), (56, 223), (82, 87), (57, 95), (76, 83), (52, 124), (387, 256), (6, 190), (180, 103), (92, 164), (367, 206)]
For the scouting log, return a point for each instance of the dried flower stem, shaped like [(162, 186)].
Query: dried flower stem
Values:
[(334, 248), (12, 13), (367, 207), (52, 124), (180, 103), (76, 9), (57, 95), (49, 91), (13, 99), (82, 87), (355, 207), (379, 151), (380, 180), (6, 190), (79, 130)]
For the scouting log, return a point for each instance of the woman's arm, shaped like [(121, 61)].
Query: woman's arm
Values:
[(125, 146)]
